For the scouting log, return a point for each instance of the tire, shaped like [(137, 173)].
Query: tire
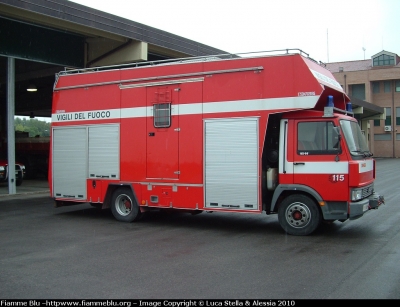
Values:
[(299, 215), (124, 206), (19, 175)]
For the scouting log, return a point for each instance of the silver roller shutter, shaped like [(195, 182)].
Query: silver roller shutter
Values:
[(231, 163), (104, 151), (69, 162)]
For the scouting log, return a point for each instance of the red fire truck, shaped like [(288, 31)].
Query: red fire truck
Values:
[(255, 133)]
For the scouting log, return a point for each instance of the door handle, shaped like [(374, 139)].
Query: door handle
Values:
[(299, 163)]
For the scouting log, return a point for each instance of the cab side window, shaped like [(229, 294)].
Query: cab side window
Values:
[(316, 138)]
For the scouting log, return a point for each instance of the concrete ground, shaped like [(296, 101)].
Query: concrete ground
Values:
[(27, 187)]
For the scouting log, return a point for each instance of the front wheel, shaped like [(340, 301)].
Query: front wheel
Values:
[(299, 215), (124, 206)]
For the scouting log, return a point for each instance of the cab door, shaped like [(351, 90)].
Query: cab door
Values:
[(318, 161)]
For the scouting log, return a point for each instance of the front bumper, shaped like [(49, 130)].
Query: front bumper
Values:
[(357, 209), (19, 173)]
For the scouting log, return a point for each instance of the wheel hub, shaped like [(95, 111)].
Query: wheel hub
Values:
[(123, 205), (298, 215)]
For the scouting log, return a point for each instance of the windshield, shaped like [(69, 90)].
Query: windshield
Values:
[(355, 140)]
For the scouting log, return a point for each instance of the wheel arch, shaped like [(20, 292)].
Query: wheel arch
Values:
[(284, 190)]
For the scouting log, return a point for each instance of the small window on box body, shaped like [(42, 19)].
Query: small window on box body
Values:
[(162, 115)]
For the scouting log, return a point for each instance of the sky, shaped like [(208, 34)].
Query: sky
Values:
[(328, 31)]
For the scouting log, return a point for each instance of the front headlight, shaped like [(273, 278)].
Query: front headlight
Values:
[(2, 168), (356, 194)]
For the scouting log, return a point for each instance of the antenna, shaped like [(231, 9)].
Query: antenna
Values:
[(363, 48), (327, 45)]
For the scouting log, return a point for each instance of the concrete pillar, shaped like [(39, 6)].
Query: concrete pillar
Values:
[(10, 124)]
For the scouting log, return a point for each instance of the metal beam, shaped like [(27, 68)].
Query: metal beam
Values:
[(129, 52), (34, 43)]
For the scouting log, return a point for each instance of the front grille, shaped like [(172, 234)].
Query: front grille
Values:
[(367, 191)]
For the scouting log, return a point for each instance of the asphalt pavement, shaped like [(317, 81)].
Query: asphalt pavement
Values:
[(80, 252)]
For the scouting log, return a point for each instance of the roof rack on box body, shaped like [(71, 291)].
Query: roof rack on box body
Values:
[(204, 58)]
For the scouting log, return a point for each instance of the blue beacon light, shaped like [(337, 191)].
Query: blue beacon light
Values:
[(328, 110), (349, 108), (329, 102)]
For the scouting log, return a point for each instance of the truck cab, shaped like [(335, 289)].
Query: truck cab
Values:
[(324, 160)]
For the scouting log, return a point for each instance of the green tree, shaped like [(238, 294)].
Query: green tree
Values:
[(33, 126)]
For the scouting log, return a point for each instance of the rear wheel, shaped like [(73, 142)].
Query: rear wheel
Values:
[(299, 215), (124, 206)]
